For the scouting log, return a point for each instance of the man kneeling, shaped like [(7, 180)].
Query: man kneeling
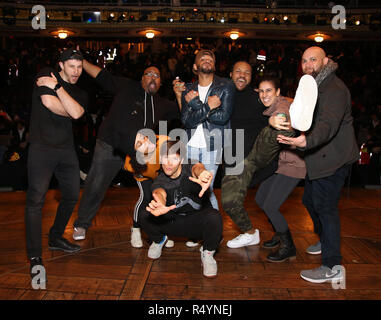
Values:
[(181, 207)]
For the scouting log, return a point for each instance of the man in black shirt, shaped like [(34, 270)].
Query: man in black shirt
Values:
[(180, 208), (56, 101), (247, 115), (135, 106)]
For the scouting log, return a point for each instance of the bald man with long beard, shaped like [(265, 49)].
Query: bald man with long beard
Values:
[(330, 149)]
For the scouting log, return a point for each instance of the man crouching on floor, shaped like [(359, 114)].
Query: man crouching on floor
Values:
[(181, 206)]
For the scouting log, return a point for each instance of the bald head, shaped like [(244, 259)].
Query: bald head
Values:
[(313, 60)]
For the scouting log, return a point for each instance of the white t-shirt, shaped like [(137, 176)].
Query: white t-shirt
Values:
[(198, 139)]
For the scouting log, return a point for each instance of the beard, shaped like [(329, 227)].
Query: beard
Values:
[(206, 70), (152, 87)]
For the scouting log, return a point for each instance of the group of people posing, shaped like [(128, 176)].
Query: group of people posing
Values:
[(276, 141)]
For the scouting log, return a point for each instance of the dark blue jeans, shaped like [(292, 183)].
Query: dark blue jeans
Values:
[(104, 167), (43, 162), (321, 198)]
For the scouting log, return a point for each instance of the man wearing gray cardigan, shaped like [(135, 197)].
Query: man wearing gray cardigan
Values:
[(330, 149)]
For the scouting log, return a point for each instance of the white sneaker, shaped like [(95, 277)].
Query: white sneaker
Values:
[(244, 239), (209, 265), (136, 238), (303, 106), (169, 244), (191, 244), (79, 233), (154, 251)]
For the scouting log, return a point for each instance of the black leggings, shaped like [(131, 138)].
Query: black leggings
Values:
[(205, 225), (271, 194)]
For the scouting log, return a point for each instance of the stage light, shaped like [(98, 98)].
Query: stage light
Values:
[(358, 22), (131, 18), (319, 37), (111, 17), (234, 35), (222, 20), (62, 34), (211, 19), (182, 19), (150, 34), (275, 21), (122, 17), (170, 19), (285, 18)]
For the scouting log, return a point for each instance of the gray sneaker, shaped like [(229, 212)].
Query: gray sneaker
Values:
[(154, 251), (323, 274), (315, 248), (79, 233)]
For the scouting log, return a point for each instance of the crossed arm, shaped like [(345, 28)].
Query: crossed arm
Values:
[(62, 104)]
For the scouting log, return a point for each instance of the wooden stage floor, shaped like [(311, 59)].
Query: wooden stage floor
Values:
[(108, 267)]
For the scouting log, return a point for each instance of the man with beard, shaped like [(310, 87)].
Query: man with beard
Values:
[(135, 106), (247, 115), (56, 101), (329, 150), (206, 106)]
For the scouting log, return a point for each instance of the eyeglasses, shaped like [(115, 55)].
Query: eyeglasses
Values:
[(152, 75)]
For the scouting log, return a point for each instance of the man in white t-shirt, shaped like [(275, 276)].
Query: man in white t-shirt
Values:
[(206, 106)]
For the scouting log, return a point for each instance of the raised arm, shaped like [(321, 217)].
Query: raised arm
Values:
[(91, 69)]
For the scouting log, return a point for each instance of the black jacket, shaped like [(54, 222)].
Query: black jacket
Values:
[(195, 112), (331, 141), (131, 110)]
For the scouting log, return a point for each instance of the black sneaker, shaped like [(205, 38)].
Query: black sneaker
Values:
[(63, 244)]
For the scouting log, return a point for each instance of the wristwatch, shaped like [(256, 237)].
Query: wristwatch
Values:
[(57, 87)]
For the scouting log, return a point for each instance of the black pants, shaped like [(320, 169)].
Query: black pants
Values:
[(145, 198), (271, 194), (321, 198), (43, 162), (205, 225), (104, 167)]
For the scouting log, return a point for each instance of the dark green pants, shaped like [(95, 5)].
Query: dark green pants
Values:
[(234, 187)]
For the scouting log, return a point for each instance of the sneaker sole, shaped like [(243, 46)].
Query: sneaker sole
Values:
[(313, 252), (301, 118), (245, 245), (79, 238), (321, 280)]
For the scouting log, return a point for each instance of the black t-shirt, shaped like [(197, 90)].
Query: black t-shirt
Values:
[(131, 109), (247, 115), (46, 127), (182, 191)]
